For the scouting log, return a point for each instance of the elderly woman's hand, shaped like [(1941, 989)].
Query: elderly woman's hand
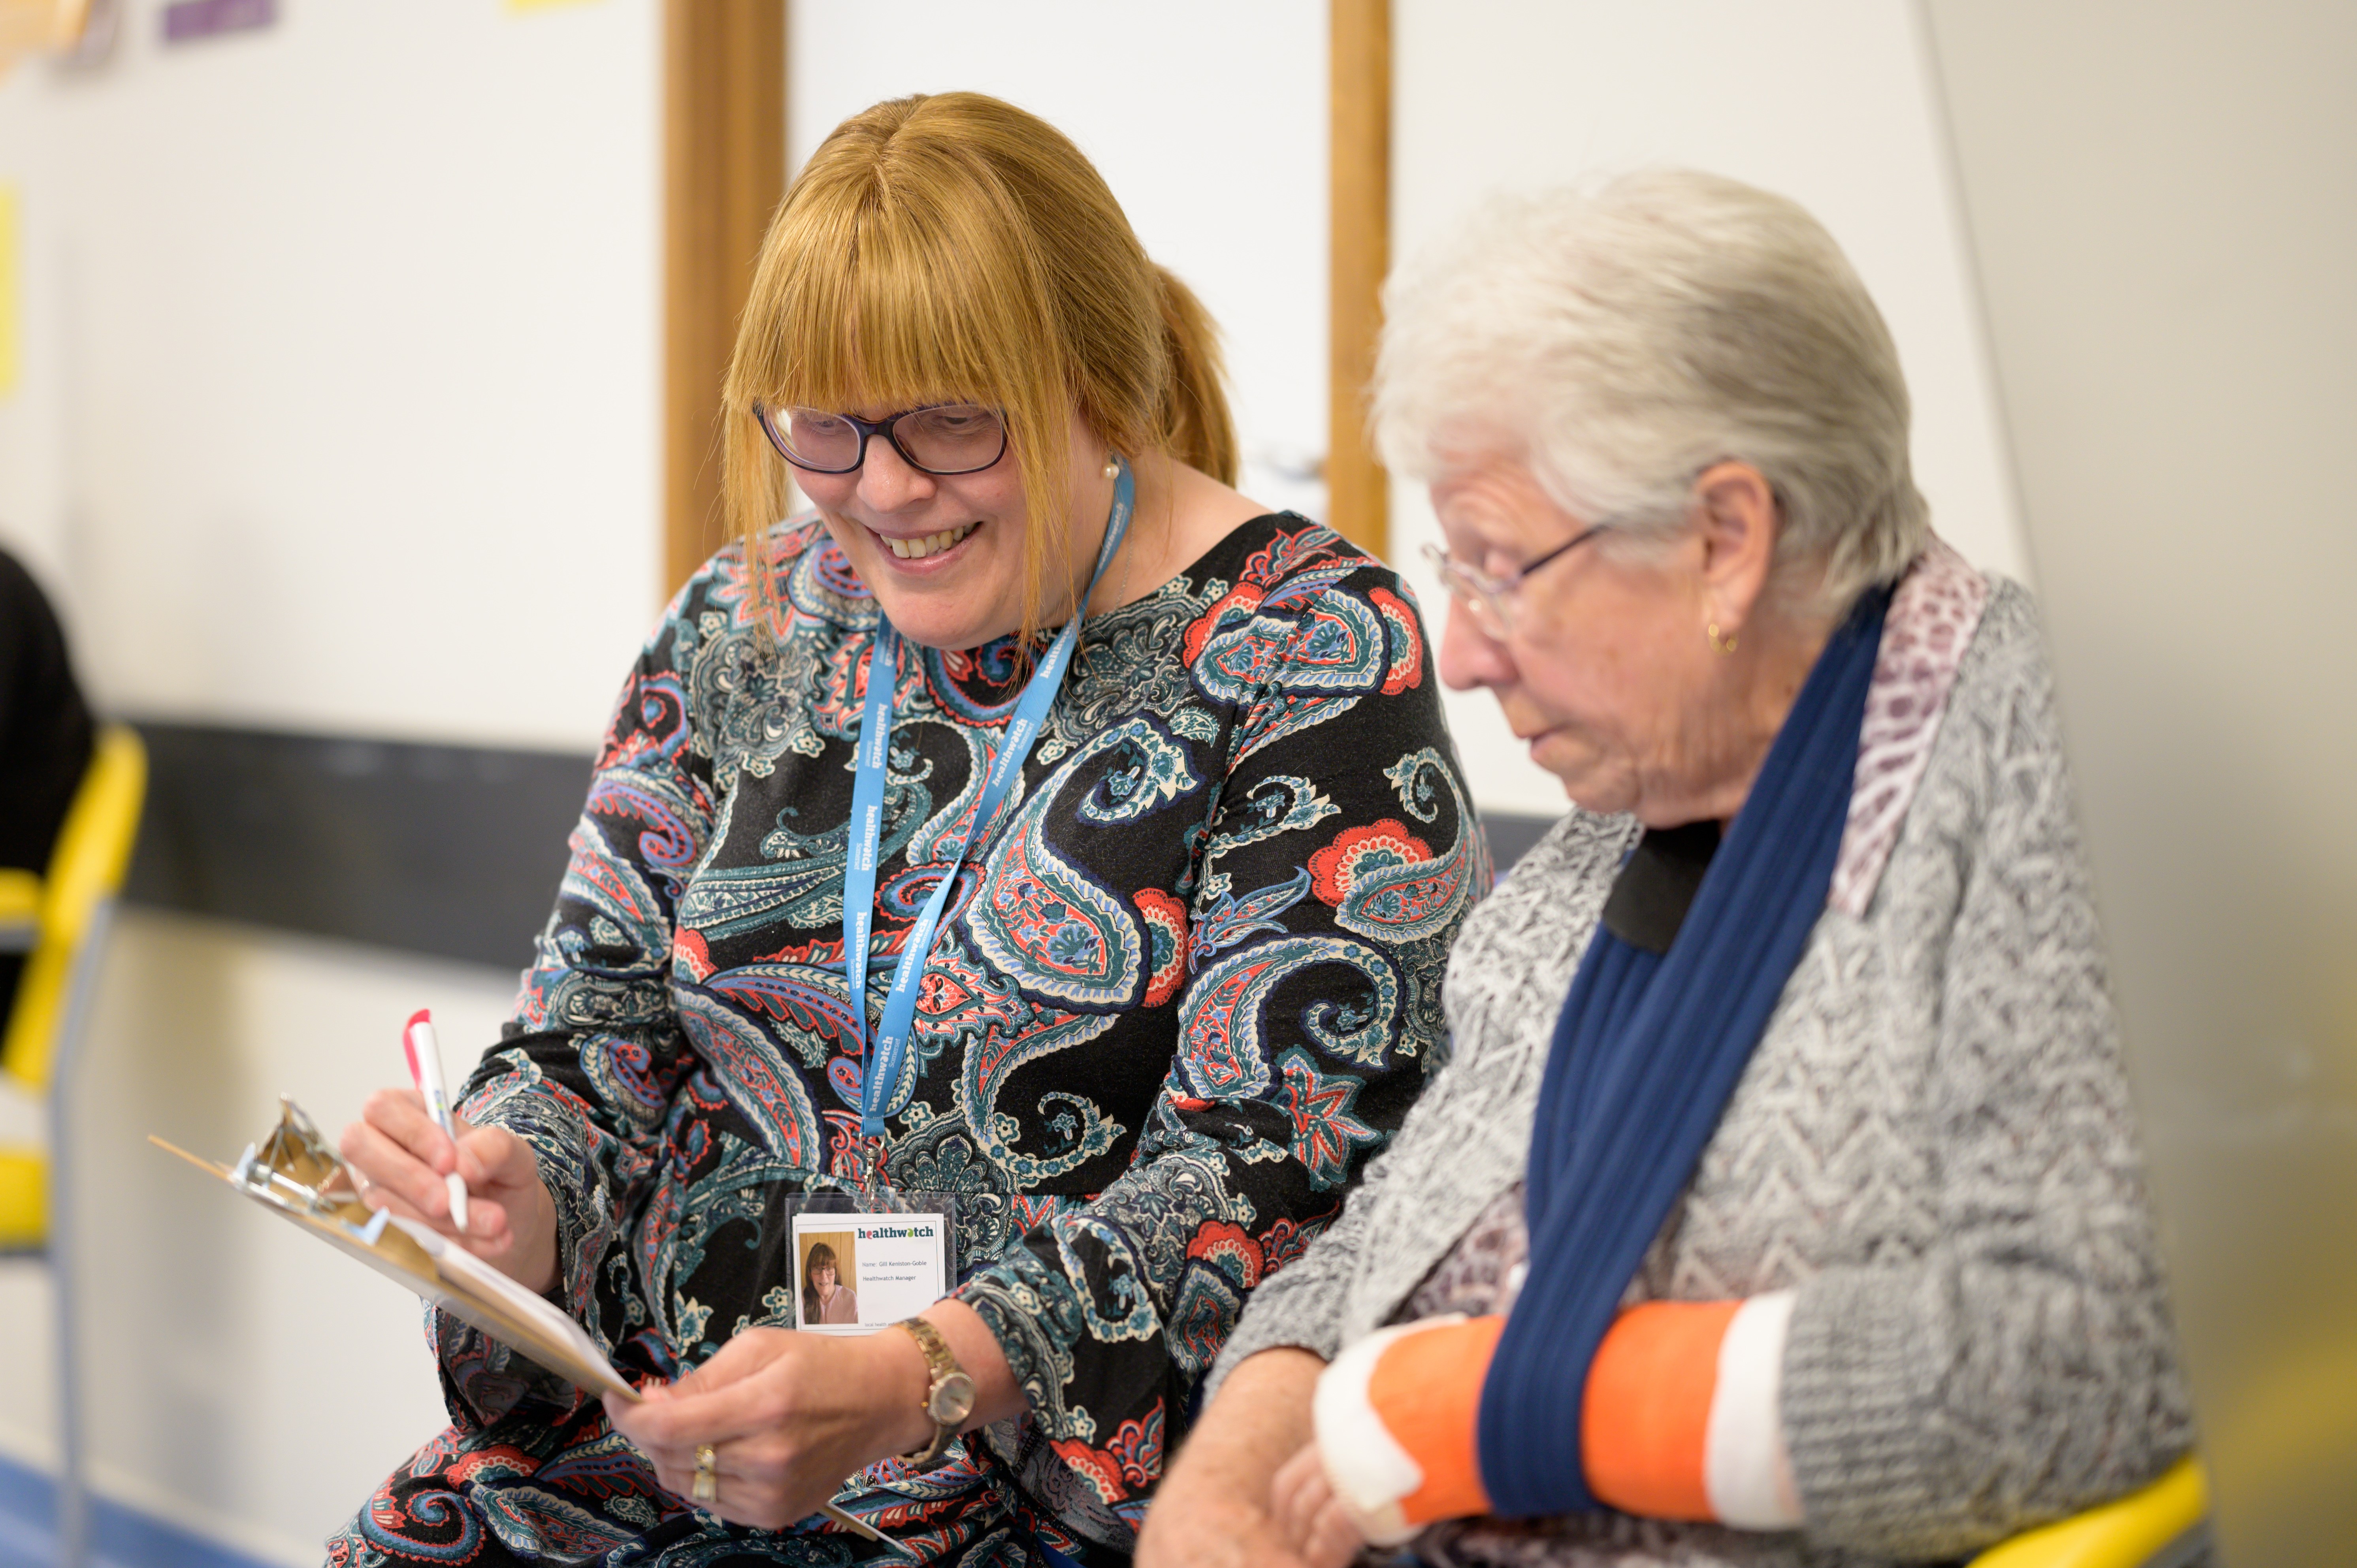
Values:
[(1216, 1507), (398, 1159), (1314, 1523)]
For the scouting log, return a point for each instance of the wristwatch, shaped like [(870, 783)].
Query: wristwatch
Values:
[(949, 1396)]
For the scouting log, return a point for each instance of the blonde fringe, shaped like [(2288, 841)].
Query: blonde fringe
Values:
[(955, 247)]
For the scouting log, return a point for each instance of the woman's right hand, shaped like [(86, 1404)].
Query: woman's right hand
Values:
[(1311, 1519), (399, 1158)]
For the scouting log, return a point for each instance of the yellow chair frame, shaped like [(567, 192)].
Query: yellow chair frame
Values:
[(61, 922), (2161, 1527)]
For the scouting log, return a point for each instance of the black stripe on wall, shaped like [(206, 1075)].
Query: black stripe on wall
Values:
[(448, 849), (451, 851)]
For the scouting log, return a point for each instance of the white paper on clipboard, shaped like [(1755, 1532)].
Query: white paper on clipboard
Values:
[(463, 1267)]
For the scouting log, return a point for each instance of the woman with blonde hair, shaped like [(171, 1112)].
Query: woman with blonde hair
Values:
[(1039, 832)]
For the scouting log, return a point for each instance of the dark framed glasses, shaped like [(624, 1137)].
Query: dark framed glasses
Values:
[(947, 438)]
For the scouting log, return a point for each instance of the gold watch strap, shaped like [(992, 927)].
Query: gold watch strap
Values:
[(939, 1363)]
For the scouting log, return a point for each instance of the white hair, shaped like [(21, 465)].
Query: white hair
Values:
[(1620, 339)]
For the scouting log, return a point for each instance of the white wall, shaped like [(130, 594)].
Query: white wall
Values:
[(1212, 135), (2161, 200), (340, 377), (339, 410), (1823, 99)]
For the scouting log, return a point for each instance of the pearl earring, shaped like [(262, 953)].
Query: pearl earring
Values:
[(1113, 468)]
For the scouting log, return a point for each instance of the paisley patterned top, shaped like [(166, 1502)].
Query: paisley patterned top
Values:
[(1189, 985)]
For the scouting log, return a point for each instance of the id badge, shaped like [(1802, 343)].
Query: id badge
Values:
[(863, 1262)]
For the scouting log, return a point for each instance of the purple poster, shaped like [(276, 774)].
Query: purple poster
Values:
[(189, 19)]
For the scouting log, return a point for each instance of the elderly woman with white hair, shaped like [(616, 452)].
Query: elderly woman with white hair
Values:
[(1782, 1203)]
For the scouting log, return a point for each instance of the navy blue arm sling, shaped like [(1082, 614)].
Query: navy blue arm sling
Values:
[(1646, 1052)]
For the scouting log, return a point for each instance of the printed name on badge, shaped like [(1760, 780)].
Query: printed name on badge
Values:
[(860, 1272)]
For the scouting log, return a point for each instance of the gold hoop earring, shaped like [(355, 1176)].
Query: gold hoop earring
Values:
[(1724, 646)]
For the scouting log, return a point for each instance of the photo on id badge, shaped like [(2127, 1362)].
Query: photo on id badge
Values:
[(860, 1272)]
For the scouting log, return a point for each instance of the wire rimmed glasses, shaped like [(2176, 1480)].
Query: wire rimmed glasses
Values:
[(943, 439), (1489, 599)]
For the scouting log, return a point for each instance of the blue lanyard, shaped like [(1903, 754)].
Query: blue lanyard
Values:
[(878, 1072)]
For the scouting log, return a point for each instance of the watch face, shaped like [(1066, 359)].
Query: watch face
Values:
[(952, 1399)]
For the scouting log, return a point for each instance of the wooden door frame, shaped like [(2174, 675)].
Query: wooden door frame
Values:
[(1359, 106), (723, 170)]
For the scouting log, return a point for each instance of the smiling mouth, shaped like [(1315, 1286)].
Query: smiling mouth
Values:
[(930, 544)]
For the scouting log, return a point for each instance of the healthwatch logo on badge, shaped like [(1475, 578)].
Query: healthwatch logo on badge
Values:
[(892, 1232)]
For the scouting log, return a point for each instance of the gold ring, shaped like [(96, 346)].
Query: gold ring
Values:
[(707, 1476)]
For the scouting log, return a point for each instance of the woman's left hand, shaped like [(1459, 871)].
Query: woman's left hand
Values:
[(790, 1417)]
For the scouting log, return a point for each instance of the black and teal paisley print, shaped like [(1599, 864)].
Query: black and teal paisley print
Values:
[(1190, 983)]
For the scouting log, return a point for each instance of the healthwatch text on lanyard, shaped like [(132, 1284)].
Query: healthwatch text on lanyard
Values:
[(880, 1070)]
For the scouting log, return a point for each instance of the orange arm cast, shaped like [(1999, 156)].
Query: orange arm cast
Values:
[(1644, 1422), (1679, 1418), (1396, 1415)]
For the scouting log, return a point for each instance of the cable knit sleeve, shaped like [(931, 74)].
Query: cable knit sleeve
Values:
[(2022, 1368)]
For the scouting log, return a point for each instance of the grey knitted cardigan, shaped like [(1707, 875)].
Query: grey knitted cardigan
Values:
[(1933, 1144)]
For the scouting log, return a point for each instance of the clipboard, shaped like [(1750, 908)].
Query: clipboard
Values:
[(453, 1279), (295, 1176)]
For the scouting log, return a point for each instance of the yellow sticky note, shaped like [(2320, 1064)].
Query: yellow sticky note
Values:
[(8, 272)]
